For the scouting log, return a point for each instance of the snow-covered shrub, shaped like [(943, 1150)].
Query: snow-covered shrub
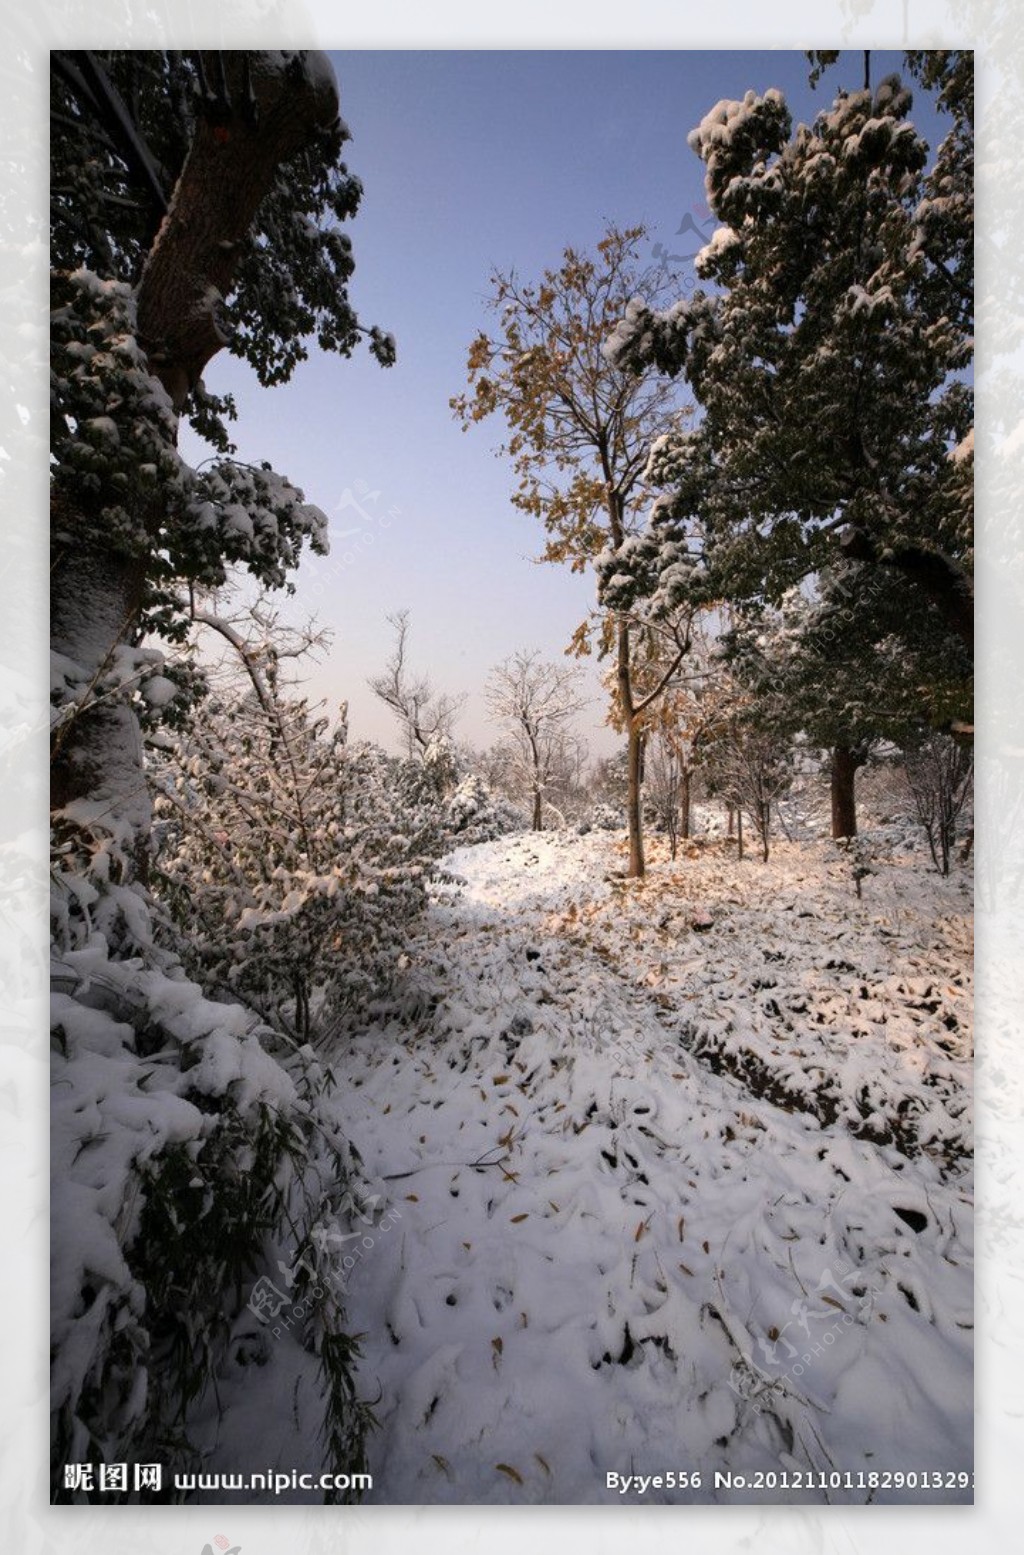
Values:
[(606, 817), (474, 813), (291, 861), (192, 1147)]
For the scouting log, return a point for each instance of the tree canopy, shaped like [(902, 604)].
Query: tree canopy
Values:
[(829, 356)]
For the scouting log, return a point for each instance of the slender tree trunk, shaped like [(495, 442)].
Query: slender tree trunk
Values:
[(634, 789), (730, 813), (538, 808), (634, 753), (684, 804), (739, 829), (845, 761)]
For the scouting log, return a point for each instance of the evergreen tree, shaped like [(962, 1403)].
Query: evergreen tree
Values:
[(829, 360), (843, 667)]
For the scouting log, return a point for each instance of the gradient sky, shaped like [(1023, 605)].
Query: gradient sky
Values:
[(471, 161)]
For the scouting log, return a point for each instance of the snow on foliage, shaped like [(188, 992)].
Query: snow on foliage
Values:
[(829, 354), (149, 498), (292, 861), (186, 1137)]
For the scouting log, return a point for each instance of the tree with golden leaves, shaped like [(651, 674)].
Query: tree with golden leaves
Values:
[(579, 432)]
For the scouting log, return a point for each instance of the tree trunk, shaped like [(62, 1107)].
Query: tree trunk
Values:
[(634, 817), (739, 829), (231, 166), (97, 591), (538, 814), (684, 803), (94, 599), (634, 752), (845, 761)]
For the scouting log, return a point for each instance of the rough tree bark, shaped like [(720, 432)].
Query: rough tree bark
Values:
[(846, 760), (268, 113)]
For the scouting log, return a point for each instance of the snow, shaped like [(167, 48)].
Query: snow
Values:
[(673, 1174), (158, 690), (727, 119), (683, 1175), (964, 449), (720, 242)]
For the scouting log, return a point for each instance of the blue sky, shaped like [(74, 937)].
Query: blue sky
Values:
[(471, 161)]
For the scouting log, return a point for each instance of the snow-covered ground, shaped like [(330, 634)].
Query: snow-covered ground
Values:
[(679, 1175)]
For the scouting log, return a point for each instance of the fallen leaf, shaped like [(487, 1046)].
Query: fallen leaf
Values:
[(517, 1218), (413, 1198), (506, 1468), (543, 1463)]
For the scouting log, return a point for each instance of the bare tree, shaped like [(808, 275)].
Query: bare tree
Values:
[(749, 762), (939, 775), (424, 715), (535, 700), (665, 782)]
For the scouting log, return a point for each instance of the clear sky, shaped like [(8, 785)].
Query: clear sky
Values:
[(472, 161)]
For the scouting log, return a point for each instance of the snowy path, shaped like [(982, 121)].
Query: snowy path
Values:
[(608, 1256)]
